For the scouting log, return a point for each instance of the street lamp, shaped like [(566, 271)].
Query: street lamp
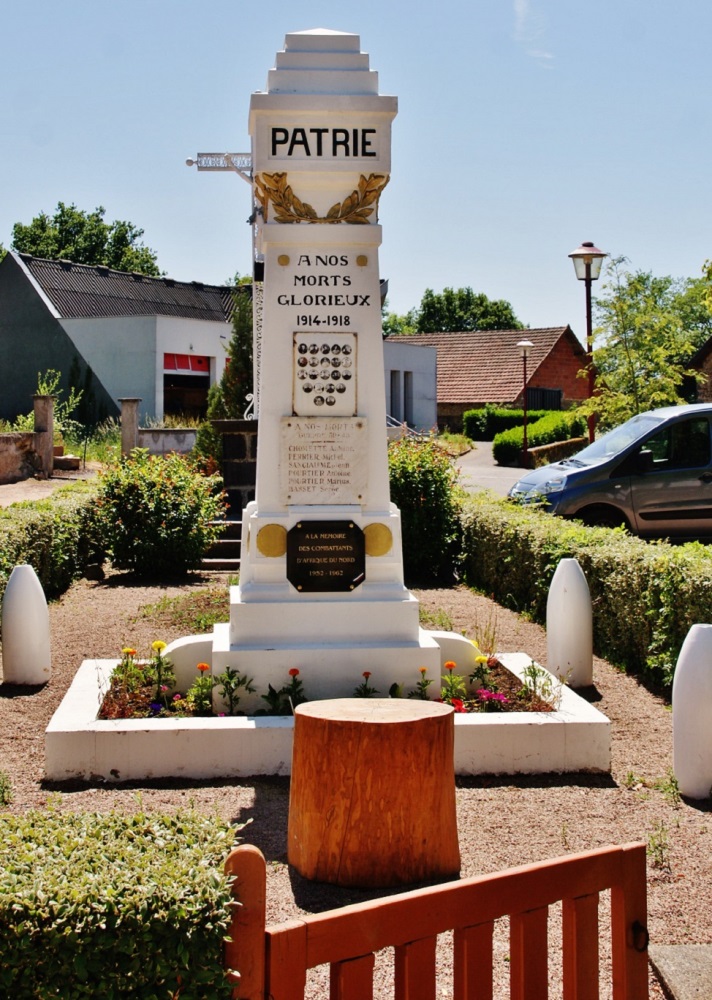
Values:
[(524, 347), (588, 261)]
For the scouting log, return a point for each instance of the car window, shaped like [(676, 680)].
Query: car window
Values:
[(684, 445)]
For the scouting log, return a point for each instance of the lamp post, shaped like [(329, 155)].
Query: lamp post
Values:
[(524, 347), (588, 261)]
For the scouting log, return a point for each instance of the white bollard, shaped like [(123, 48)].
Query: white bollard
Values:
[(26, 655), (692, 714), (569, 626)]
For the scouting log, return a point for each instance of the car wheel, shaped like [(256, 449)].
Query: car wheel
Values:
[(603, 517)]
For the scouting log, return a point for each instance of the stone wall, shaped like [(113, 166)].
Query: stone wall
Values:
[(18, 458)]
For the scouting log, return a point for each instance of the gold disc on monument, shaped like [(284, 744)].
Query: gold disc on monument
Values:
[(379, 539), (272, 540)]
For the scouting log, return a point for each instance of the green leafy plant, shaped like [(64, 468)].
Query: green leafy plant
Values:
[(364, 689), (539, 683), (113, 905), (200, 693), (453, 689), (421, 688), (159, 514), (5, 789), (424, 486), (231, 681), (480, 674), (658, 847), (286, 699)]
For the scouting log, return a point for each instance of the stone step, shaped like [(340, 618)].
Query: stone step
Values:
[(224, 553)]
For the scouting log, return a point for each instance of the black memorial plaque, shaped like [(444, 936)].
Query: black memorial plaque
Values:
[(326, 556)]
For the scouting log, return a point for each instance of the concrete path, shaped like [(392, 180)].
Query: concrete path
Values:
[(478, 470), (38, 489)]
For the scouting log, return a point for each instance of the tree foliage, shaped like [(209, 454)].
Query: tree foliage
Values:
[(453, 310), (647, 330), (227, 399), (85, 238)]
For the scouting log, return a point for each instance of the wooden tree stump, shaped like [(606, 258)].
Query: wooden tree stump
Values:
[(372, 799)]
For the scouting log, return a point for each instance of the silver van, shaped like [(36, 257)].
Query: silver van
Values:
[(652, 474)]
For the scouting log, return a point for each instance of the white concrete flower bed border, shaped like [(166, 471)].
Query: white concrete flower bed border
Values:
[(576, 737)]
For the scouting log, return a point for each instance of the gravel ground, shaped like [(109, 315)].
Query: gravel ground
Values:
[(503, 821)]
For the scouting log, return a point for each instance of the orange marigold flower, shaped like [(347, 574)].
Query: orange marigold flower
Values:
[(423, 670), (450, 664), (202, 667), (294, 672), (367, 674)]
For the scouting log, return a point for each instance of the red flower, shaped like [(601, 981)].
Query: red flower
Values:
[(458, 705), (367, 674), (294, 672)]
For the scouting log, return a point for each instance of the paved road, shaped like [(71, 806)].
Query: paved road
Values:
[(478, 470)]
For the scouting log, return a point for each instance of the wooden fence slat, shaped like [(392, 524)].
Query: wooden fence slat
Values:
[(472, 962), (352, 979), (528, 955), (286, 961), (629, 906), (409, 916), (580, 947), (245, 952), (415, 970)]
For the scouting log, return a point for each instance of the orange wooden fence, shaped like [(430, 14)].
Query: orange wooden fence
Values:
[(273, 961)]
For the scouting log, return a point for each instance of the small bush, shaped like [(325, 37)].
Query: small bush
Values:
[(424, 487), (483, 424), (158, 513), (59, 537), (556, 426), (645, 596), (113, 906)]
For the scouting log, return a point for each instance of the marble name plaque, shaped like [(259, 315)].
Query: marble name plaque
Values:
[(323, 460)]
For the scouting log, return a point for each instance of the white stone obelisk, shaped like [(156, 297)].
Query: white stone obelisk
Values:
[(569, 626), (26, 656), (321, 574), (692, 714)]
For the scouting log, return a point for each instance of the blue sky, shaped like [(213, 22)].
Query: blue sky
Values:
[(524, 128)]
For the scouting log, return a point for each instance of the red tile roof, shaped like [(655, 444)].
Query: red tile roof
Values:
[(80, 290), (485, 366)]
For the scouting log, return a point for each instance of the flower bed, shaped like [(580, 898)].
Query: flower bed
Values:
[(573, 736), (147, 690)]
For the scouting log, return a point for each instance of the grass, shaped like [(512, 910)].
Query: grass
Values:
[(196, 612)]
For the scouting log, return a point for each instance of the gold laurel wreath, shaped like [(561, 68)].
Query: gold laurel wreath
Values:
[(356, 209)]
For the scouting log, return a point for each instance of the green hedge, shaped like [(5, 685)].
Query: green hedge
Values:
[(113, 906), (558, 425), (483, 424), (59, 537), (645, 595)]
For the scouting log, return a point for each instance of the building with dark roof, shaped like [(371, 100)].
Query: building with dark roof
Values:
[(485, 366), (113, 333)]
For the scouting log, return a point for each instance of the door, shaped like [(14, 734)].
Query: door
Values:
[(672, 494)]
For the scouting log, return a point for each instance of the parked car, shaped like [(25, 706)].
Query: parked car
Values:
[(652, 474)]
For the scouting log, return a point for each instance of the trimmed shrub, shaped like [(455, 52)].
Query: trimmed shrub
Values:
[(159, 513), (59, 537), (645, 595), (113, 906), (559, 425), (424, 487), (483, 424)]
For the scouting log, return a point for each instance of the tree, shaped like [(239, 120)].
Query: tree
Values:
[(85, 238), (461, 309), (647, 330), (228, 398)]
